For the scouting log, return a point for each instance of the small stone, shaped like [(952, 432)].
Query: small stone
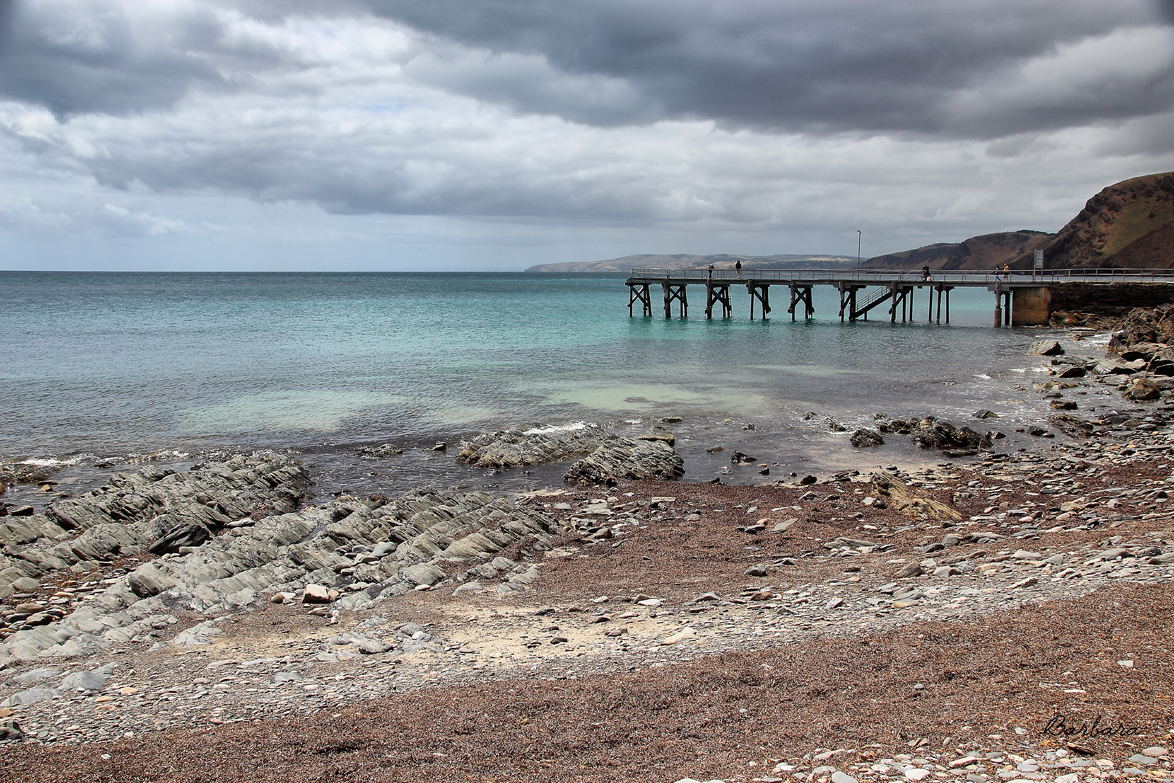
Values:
[(1155, 751), (680, 636), (842, 777), (913, 773)]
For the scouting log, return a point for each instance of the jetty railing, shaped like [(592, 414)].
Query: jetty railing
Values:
[(885, 277)]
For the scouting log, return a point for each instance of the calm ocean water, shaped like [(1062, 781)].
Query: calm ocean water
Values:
[(109, 364)]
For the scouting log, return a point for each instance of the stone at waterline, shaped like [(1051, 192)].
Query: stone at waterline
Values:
[(1064, 405), (985, 414), (1076, 371), (1045, 348), (658, 433), (740, 458), (1143, 389), (866, 438), (380, 452)]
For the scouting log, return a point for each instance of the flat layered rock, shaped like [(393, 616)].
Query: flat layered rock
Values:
[(514, 448), (620, 459), (350, 552)]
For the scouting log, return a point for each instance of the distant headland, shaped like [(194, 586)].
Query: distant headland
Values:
[(1128, 225)]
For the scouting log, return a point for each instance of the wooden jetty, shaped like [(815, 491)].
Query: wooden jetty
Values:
[(1021, 298)]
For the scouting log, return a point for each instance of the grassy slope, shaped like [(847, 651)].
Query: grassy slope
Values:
[(1126, 224)]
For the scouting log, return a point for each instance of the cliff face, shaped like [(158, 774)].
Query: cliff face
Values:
[(1130, 224), (982, 252)]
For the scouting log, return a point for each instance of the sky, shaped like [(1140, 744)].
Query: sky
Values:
[(496, 134)]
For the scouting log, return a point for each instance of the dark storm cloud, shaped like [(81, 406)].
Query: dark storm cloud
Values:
[(76, 58), (838, 66)]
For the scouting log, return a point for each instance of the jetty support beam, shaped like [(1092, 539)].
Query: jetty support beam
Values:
[(943, 289), (638, 292), (902, 298), (761, 292), (675, 292), (801, 293), (848, 299), (716, 293)]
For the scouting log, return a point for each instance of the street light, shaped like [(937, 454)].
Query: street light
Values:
[(857, 250)]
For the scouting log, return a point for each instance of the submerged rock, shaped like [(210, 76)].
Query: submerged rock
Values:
[(380, 452)]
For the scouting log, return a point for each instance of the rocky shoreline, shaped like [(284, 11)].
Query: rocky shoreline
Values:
[(221, 607)]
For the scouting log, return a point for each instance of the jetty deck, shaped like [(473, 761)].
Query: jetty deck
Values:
[(1022, 298)]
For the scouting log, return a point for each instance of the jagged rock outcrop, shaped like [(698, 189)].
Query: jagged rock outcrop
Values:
[(866, 438), (932, 433), (619, 459), (1144, 325), (514, 448)]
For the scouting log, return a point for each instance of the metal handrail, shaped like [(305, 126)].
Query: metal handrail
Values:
[(878, 276)]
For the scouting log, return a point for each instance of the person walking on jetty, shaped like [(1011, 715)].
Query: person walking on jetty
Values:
[(738, 268), (1006, 271), (925, 272)]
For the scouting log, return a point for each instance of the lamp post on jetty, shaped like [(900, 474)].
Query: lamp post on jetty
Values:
[(857, 250)]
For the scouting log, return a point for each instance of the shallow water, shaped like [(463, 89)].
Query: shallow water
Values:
[(109, 364)]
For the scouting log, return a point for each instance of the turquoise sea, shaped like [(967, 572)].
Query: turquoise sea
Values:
[(106, 364)]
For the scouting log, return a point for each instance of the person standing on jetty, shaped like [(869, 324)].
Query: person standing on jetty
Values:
[(738, 268), (711, 271)]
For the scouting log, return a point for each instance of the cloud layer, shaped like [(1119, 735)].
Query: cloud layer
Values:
[(773, 123)]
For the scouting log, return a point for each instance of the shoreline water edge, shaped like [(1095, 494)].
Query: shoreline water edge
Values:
[(979, 597)]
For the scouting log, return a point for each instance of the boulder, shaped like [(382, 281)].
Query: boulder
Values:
[(865, 438), (1143, 389), (315, 594), (931, 433), (1045, 348)]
